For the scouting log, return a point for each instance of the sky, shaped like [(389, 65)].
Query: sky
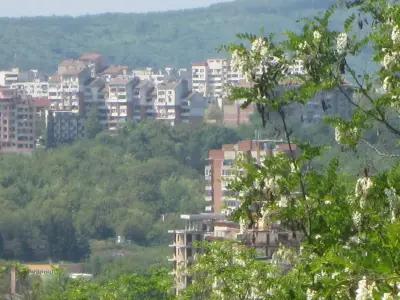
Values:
[(18, 8)]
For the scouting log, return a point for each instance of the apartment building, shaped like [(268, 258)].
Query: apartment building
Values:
[(8, 77), (220, 170), (210, 227), (35, 88), (144, 95), (170, 96), (119, 101), (63, 127), (198, 228), (17, 122), (95, 99), (66, 87), (212, 78), (176, 104)]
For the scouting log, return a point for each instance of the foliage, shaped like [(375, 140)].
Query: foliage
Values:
[(134, 183), (155, 285), (140, 40), (349, 220)]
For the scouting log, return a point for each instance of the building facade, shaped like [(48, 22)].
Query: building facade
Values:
[(17, 122), (221, 169), (63, 127), (8, 77), (184, 249)]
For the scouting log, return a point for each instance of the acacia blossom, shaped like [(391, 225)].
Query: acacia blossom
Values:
[(389, 59), (317, 35), (365, 291), (396, 34), (393, 203), (310, 294), (341, 43), (362, 189), (386, 84), (357, 219)]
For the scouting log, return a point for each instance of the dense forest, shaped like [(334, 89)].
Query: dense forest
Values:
[(54, 202), (175, 38)]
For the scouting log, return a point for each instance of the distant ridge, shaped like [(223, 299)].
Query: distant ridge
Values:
[(150, 39)]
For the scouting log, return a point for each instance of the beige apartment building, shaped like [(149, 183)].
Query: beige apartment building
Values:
[(66, 87), (17, 122), (119, 102)]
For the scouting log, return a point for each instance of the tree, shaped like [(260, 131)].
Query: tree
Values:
[(350, 223), (92, 124)]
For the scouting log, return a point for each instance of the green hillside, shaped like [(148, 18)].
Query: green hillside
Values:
[(154, 39)]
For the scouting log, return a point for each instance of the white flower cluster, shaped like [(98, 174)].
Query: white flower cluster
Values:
[(386, 84), (310, 294), (390, 59), (283, 201), (362, 189), (271, 185), (341, 134), (365, 290), (260, 46), (341, 43), (241, 63), (248, 63), (357, 219), (394, 203), (317, 36), (396, 34), (303, 46)]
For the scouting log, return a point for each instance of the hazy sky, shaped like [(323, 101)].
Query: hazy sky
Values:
[(16, 8)]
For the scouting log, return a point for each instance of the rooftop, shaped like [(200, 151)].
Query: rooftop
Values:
[(120, 81), (91, 56), (203, 216)]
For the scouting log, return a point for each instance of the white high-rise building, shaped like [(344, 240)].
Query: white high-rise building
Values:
[(213, 77)]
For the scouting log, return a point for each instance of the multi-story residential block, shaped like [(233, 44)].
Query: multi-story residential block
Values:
[(144, 95), (209, 227), (170, 96), (35, 88), (8, 77), (220, 170), (66, 87), (63, 127), (197, 229), (193, 108), (149, 74), (119, 101), (95, 99), (176, 104), (200, 78), (17, 122), (212, 79)]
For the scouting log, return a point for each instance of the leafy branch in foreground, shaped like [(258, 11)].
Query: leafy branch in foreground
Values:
[(351, 225)]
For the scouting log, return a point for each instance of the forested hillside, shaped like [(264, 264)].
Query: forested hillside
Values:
[(155, 39)]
